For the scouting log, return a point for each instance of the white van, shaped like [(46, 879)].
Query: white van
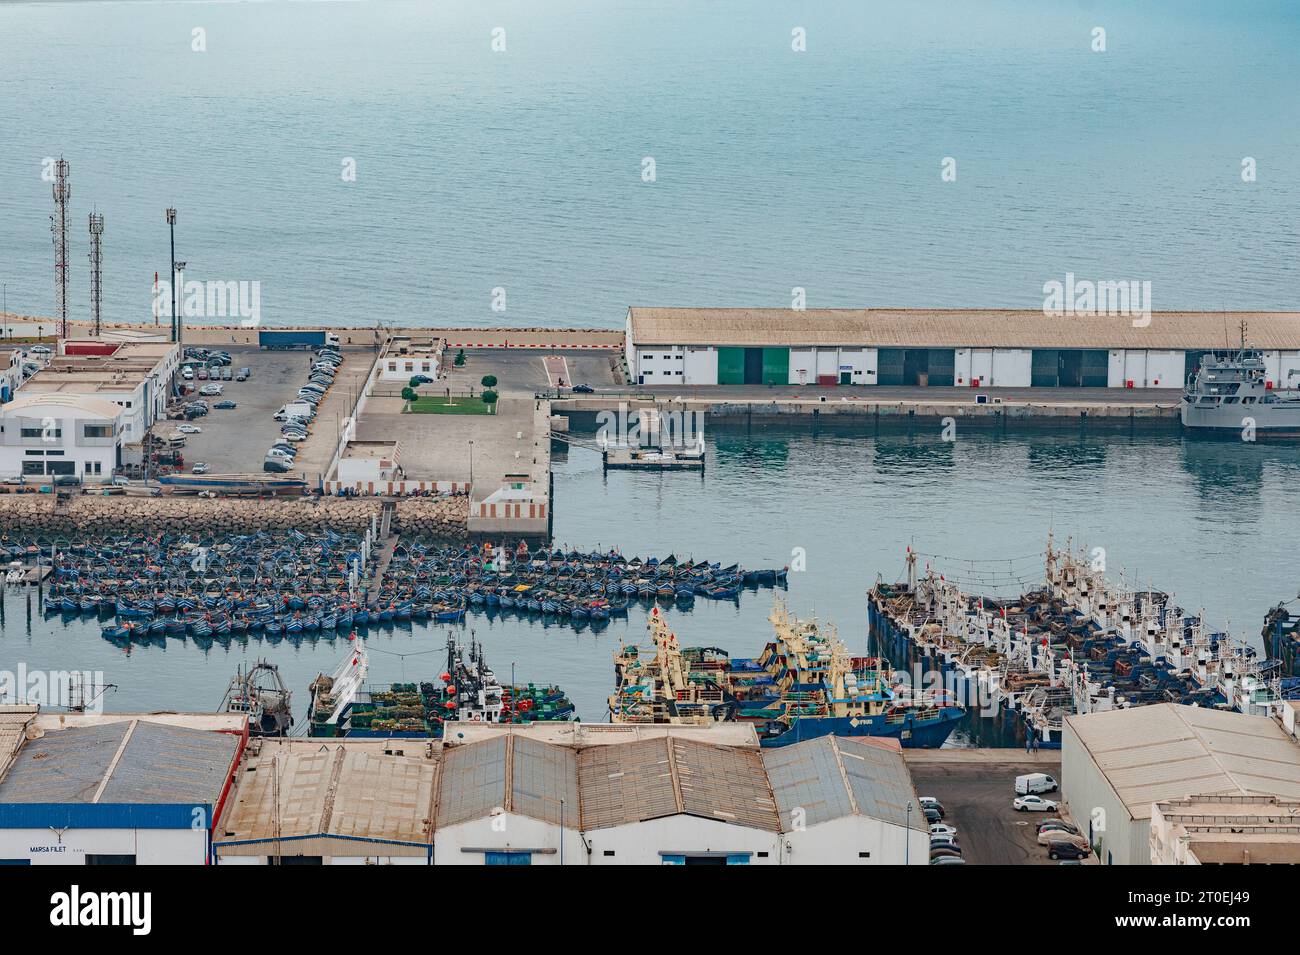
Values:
[(1035, 783)]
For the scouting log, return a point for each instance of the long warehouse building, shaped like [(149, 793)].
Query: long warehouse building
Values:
[(979, 348)]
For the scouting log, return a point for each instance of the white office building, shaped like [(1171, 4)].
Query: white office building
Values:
[(46, 436)]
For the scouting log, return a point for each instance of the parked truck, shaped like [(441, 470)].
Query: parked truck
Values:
[(269, 338)]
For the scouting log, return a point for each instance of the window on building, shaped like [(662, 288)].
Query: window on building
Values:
[(94, 859), (99, 431), (41, 433), (507, 858), (33, 467)]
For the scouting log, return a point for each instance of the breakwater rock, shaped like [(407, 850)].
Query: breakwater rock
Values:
[(24, 515)]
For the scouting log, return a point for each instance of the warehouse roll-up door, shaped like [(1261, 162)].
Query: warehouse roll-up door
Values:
[(1070, 368), (1043, 368), (942, 363), (731, 366), (776, 366), (889, 366)]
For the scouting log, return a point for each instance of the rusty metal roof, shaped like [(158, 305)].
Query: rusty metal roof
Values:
[(295, 789), (508, 773), (957, 328), (654, 778)]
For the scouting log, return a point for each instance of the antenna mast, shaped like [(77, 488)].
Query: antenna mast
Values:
[(59, 233), (96, 264)]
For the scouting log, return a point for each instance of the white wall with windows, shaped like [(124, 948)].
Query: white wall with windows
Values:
[(44, 437)]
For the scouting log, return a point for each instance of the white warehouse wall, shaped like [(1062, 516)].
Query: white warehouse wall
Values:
[(642, 843), (701, 366), (511, 833), (149, 846), (841, 842)]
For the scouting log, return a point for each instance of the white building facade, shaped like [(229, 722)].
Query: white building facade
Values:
[(48, 436)]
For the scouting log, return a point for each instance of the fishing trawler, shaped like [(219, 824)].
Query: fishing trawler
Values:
[(1231, 393), (467, 691), (1078, 643), (803, 685), (259, 693)]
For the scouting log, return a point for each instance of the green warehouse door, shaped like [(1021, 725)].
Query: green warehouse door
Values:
[(776, 366), (731, 366)]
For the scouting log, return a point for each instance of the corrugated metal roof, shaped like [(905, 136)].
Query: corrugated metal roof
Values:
[(354, 791), (543, 777), (828, 778), (651, 779), (1169, 751), (157, 764), (625, 783), (14, 718), (473, 782), (957, 328)]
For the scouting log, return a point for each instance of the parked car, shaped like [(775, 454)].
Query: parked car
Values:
[(200, 467), (929, 802), (947, 860), (187, 373), (224, 405), (190, 429), (1050, 836), (1058, 824), (932, 815), (202, 374), (582, 389), (422, 379), (41, 351), (944, 842), (1035, 783), (1068, 850), (944, 851), (244, 374), (943, 829), (1033, 804), (210, 391), (276, 465)]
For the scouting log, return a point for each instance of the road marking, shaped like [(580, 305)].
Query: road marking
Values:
[(561, 367)]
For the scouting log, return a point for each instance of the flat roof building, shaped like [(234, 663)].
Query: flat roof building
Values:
[(943, 347), (1226, 830), (45, 436), (136, 376)]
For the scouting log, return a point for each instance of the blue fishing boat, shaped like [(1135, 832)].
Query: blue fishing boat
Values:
[(804, 685)]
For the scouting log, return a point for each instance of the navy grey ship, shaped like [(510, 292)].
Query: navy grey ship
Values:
[(1230, 393)]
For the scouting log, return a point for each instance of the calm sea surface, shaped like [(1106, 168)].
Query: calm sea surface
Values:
[(774, 169), (1216, 524)]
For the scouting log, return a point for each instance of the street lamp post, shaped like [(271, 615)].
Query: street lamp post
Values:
[(171, 226), (471, 465), (907, 834)]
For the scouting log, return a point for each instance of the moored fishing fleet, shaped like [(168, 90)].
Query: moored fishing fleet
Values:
[(296, 584), (1076, 644), (467, 691), (803, 685)]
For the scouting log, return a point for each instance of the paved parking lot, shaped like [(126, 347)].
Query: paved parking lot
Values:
[(528, 371), (235, 441), (977, 798)]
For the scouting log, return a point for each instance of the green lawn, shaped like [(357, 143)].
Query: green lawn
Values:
[(434, 405)]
